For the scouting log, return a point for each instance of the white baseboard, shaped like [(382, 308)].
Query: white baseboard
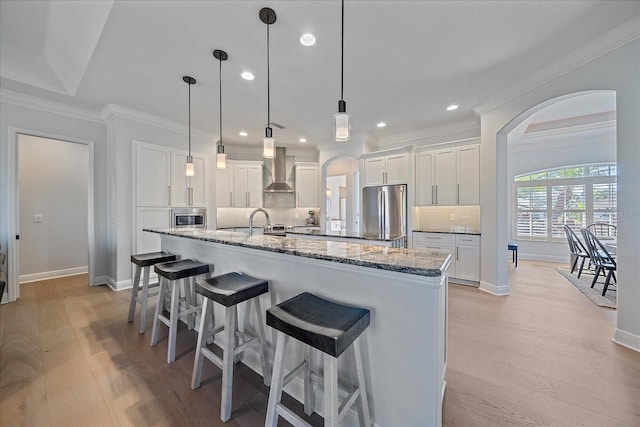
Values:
[(100, 280), (542, 257), (45, 275), (627, 339), (494, 289), (119, 286)]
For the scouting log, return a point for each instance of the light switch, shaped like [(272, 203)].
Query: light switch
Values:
[(37, 218)]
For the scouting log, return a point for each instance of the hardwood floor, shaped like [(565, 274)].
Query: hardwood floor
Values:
[(541, 356)]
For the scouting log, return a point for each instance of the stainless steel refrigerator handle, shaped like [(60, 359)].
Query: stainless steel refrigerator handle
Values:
[(380, 211), (384, 214)]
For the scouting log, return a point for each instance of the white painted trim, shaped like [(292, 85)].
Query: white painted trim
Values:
[(13, 287), (627, 339), (411, 137), (492, 289), (119, 286), (399, 150), (45, 275), (617, 37), (475, 140), (100, 280), (111, 111), (53, 107)]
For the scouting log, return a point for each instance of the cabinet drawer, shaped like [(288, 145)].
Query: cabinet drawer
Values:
[(468, 240), (434, 238)]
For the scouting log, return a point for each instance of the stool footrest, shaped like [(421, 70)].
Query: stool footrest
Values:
[(211, 356), (290, 416), (348, 403), (244, 345), (295, 371)]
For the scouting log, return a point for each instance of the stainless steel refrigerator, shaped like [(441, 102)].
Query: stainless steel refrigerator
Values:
[(384, 210)]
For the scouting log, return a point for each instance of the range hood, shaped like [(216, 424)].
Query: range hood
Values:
[(279, 173)]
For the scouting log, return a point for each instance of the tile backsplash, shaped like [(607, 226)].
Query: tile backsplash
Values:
[(239, 217), (444, 217)]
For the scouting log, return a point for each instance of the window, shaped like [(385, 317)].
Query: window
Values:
[(575, 196)]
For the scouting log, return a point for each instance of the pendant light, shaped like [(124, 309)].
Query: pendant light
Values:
[(268, 16), (341, 118), (190, 170), (221, 157)]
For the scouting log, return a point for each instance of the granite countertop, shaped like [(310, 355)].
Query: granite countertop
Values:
[(422, 262), (450, 230), (348, 235)]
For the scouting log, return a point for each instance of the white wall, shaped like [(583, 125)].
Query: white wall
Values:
[(617, 70), (54, 183), (566, 149)]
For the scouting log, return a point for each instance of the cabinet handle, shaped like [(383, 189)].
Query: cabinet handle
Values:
[(436, 195), (298, 199), (230, 198), (191, 196), (458, 197), (456, 253), (433, 197), (169, 194)]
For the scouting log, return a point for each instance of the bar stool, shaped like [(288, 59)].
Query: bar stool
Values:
[(144, 261), (229, 290), (513, 247), (331, 328), (169, 273)]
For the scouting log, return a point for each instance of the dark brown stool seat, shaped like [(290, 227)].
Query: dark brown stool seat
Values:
[(169, 273), (144, 262), (229, 290), (331, 328)]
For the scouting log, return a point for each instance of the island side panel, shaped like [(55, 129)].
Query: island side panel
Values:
[(404, 347)]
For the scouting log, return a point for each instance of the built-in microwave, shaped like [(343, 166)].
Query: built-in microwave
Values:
[(189, 218)]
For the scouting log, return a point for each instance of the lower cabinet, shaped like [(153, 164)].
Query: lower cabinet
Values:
[(464, 250), (150, 218)]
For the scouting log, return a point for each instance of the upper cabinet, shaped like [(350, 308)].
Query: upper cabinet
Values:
[(223, 187), (246, 184), (386, 170), (448, 176), (307, 184), (161, 180)]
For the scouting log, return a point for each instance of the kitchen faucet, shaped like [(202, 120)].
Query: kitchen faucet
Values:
[(266, 214)]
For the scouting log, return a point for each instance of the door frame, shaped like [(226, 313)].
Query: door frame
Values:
[(13, 200)]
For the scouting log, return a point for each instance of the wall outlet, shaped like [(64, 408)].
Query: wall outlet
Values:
[(452, 217), (37, 218)]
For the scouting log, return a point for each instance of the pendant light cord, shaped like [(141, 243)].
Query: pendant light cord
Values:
[(189, 119), (220, 142), (268, 85), (342, 56)]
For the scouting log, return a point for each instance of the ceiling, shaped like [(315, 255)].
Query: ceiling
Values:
[(404, 61)]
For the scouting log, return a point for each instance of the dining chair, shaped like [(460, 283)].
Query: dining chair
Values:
[(576, 248), (601, 259), (603, 229)]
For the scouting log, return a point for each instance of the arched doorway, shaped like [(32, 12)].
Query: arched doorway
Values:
[(341, 192)]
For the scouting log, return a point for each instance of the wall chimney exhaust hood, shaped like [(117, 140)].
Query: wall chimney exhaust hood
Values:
[(279, 173)]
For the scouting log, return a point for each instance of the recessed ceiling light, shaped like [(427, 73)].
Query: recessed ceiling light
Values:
[(303, 140), (308, 39), (452, 107), (381, 124), (247, 76), (243, 133)]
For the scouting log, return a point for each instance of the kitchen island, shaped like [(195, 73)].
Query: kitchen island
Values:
[(405, 289)]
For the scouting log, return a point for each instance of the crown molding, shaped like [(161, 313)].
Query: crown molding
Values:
[(608, 42), (49, 106), (443, 130), (565, 137), (568, 130), (113, 111)]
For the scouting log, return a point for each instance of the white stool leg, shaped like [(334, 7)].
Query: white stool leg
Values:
[(364, 416), (264, 349), (156, 318), (204, 330), (308, 385), (275, 394), (173, 321), (330, 391), (143, 300), (134, 293), (188, 294), (227, 361)]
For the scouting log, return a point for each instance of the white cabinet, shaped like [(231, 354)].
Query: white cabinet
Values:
[(386, 170), (150, 218), (246, 184), (448, 177), (161, 178), (468, 257), (468, 170), (307, 183), (464, 250), (223, 187)]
